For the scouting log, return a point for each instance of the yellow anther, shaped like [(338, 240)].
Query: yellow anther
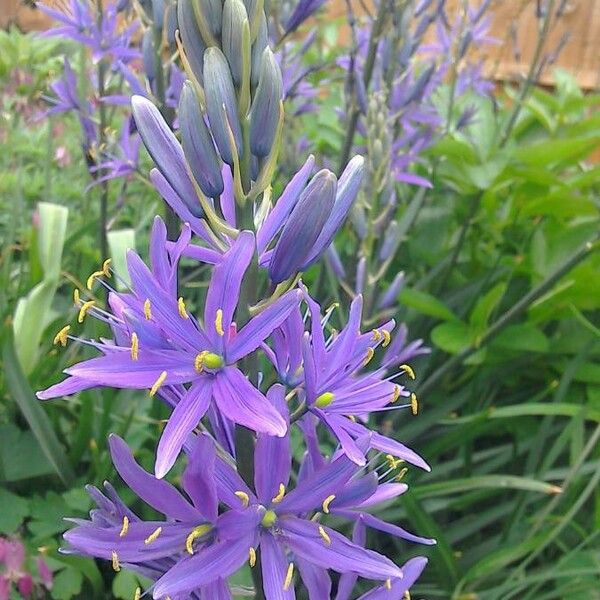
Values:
[(125, 527), (76, 297), (243, 497), (388, 584), (370, 355), (199, 361), (219, 322), (147, 309), (207, 359), (402, 473), (269, 519), (252, 557), (414, 404), (396, 394), (280, 494), (106, 267), (181, 308), (406, 595), (324, 535), (288, 577), (376, 335), (408, 370), (387, 337), (153, 536), (90, 280), (135, 346), (327, 502), (138, 593), (352, 418), (85, 307), (115, 561), (62, 336), (194, 534), (324, 400), (158, 383)]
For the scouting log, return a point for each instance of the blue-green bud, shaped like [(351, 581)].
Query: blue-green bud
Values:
[(190, 37), (258, 48), (198, 145), (235, 19), (221, 102), (264, 114), (149, 55), (209, 14)]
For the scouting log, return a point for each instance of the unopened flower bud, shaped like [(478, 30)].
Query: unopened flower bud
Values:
[(234, 21), (303, 226), (391, 241), (264, 114), (165, 150), (190, 37), (390, 295), (209, 14), (221, 104), (171, 25), (347, 190), (149, 55), (198, 145), (258, 48), (158, 14)]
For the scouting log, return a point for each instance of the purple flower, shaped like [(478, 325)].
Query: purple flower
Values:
[(337, 391), (152, 548), (158, 343), (302, 11), (278, 522)]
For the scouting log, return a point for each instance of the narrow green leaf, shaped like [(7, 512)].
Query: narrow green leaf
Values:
[(426, 304), (119, 242), (34, 414), (485, 306), (452, 337), (51, 235)]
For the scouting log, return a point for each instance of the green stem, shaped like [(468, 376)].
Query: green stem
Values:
[(511, 314)]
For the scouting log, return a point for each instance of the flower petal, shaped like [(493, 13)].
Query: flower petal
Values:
[(241, 402), (379, 524), (340, 554), (258, 329), (274, 570), (411, 571), (272, 454), (190, 409), (315, 579), (157, 493), (71, 385), (207, 565)]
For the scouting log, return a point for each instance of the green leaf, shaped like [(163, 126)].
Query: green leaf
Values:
[(556, 151), (20, 455), (124, 585), (119, 242), (452, 337), (67, 584), (51, 235), (522, 338), (14, 510), (426, 304), (34, 414), (484, 308)]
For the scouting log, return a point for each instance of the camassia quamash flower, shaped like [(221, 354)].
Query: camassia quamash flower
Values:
[(159, 343)]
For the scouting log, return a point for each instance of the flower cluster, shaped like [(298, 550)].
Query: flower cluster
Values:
[(250, 361), (14, 572)]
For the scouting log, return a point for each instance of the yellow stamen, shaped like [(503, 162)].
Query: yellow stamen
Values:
[(388, 584), (252, 557), (147, 309), (85, 307), (376, 335), (199, 361), (76, 297), (135, 346), (370, 355), (387, 337), (327, 502), (288, 577), (352, 418), (106, 267), (324, 535), (90, 280), (138, 593), (125, 527), (408, 370), (153, 536), (158, 383), (280, 494), (414, 404), (61, 336), (396, 394), (402, 473), (181, 307), (406, 595), (219, 322), (194, 534), (115, 561), (243, 497)]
